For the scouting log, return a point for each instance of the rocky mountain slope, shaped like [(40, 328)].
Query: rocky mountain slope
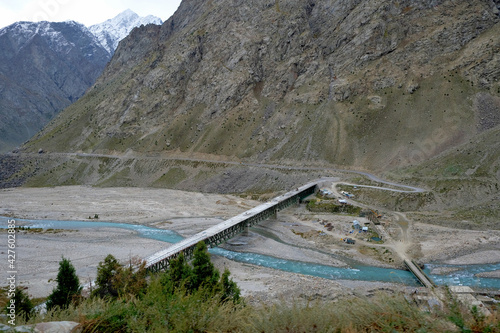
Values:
[(46, 66), (377, 85)]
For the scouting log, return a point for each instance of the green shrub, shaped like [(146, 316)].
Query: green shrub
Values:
[(114, 280)]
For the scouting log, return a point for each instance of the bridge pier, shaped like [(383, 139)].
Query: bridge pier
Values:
[(245, 231)]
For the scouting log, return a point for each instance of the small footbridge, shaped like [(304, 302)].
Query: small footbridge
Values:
[(223, 231), (420, 274)]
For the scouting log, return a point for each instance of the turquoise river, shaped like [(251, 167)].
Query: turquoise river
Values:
[(461, 275)]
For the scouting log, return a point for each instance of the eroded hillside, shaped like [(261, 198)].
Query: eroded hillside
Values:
[(368, 84)]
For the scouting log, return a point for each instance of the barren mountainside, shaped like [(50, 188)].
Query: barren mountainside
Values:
[(369, 84), (410, 87), (44, 67)]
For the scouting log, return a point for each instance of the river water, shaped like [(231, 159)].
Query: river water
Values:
[(461, 275)]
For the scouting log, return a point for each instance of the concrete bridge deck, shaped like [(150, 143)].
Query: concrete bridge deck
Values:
[(223, 231)]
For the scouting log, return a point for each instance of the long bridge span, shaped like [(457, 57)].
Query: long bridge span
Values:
[(221, 232)]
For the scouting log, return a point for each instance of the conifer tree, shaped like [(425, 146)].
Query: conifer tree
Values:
[(24, 306), (229, 288), (130, 280), (201, 278), (204, 273), (178, 275), (106, 271), (68, 286), (115, 280)]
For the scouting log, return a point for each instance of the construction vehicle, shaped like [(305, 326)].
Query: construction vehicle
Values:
[(349, 241), (376, 214)]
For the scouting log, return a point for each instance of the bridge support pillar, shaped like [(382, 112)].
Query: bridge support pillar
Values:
[(245, 233)]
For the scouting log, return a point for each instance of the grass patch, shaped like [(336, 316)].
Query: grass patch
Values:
[(171, 178), (382, 312)]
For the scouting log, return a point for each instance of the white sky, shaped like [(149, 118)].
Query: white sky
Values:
[(87, 12)]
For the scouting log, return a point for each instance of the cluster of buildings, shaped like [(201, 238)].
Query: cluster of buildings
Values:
[(357, 226)]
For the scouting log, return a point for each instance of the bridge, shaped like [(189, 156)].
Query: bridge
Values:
[(419, 273), (221, 232)]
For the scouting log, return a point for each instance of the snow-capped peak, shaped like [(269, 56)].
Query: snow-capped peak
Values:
[(55, 34), (112, 31)]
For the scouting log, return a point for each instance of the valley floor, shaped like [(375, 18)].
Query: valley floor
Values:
[(297, 234)]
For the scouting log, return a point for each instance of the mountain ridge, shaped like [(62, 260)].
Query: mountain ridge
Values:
[(112, 31), (46, 66), (280, 73)]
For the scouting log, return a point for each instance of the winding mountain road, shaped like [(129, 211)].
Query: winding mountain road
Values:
[(132, 155)]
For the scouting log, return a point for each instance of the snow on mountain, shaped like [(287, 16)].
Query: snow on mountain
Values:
[(112, 31), (44, 67), (58, 35)]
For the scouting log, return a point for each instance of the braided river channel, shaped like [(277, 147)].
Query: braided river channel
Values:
[(461, 274)]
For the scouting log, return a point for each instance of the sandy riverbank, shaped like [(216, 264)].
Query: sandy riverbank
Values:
[(456, 246), (296, 235)]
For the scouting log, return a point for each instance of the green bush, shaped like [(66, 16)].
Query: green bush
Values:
[(115, 280), (156, 311)]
